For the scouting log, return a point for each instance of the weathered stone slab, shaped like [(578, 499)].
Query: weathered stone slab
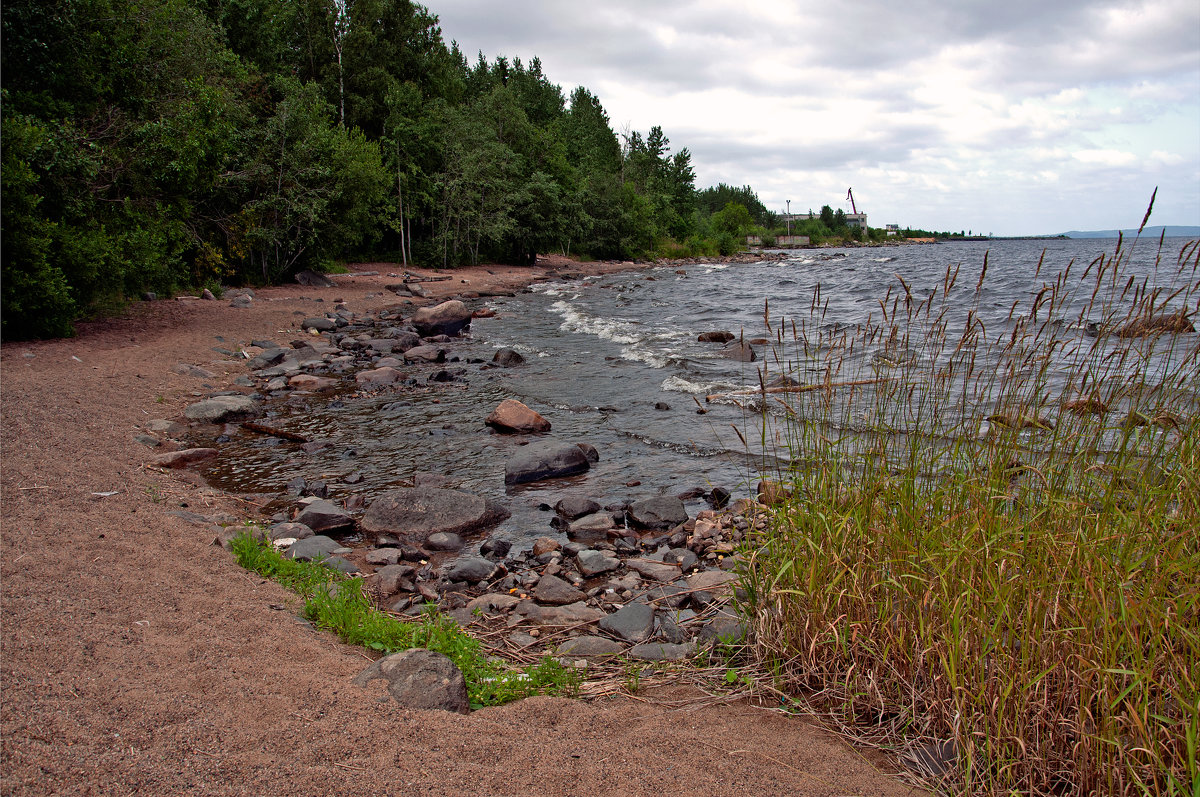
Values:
[(181, 459), (219, 409), (420, 679), (417, 512)]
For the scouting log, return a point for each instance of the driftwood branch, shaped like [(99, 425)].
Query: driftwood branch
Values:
[(273, 432)]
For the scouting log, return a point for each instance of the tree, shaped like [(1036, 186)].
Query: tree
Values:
[(312, 188), (734, 219)]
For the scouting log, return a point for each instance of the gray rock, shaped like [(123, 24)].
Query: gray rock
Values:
[(683, 557), (633, 622), (470, 568), (507, 358), (447, 318), (591, 528), (148, 440), (420, 679), (653, 571), (294, 531), (573, 507), (425, 354), (322, 516), (443, 541), (312, 279), (662, 651), (241, 302), (384, 375), (722, 336), (670, 625), (393, 578), (383, 556), (658, 512), (592, 562), (725, 627), (545, 459), (591, 646), (220, 409), (417, 512), (320, 324), (182, 458), (554, 591), (571, 614), (742, 352), (186, 369), (225, 535), (311, 548), (340, 564), (493, 602)]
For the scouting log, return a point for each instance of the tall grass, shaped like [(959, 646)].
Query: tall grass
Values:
[(991, 551)]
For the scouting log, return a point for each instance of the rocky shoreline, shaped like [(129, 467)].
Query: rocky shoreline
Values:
[(640, 579)]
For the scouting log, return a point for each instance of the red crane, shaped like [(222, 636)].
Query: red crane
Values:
[(850, 196)]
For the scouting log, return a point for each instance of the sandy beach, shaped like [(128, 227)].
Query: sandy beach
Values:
[(138, 658)]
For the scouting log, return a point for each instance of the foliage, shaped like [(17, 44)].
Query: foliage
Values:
[(336, 603), (163, 144)]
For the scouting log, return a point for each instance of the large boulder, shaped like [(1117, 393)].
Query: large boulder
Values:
[(418, 512), (513, 417), (422, 679), (220, 409), (547, 459), (447, 318)]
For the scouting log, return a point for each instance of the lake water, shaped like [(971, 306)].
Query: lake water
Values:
[(614, 361)]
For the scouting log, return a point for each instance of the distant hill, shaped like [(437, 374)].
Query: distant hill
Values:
[(1149, 232)]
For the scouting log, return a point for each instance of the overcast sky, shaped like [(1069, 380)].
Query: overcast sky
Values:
[(1010, 117)]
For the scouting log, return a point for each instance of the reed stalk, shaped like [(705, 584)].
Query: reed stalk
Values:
[(990, 560)]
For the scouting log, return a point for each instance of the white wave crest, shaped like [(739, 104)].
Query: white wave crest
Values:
[(616, 330)]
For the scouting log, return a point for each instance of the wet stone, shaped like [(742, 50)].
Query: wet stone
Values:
[(633, 623)]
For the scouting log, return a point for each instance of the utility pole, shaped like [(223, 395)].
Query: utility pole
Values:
[(789, 217)]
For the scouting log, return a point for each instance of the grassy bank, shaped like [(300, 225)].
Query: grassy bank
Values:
[(990, 556), (333, 602)]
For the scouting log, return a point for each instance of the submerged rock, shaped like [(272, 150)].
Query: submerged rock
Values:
[(547, 459)]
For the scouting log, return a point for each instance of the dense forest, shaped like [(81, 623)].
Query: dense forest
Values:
[(157, 145)]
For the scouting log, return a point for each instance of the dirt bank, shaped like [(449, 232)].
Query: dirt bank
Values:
[(138, 658)]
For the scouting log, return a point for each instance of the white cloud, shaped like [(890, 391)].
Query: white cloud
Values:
[(1019, 117)]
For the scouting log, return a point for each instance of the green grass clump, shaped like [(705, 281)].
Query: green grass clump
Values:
[(993, 537), (336, 603)]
